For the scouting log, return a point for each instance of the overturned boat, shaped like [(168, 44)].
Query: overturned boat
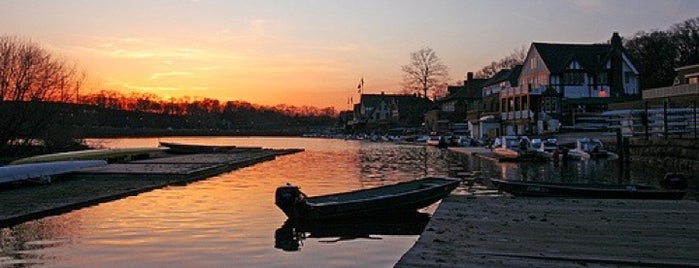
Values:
[(385, 200)]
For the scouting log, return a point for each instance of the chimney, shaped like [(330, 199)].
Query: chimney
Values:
[(469, 76), (616, 84)]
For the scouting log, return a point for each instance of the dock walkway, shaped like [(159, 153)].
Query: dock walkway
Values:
[(501, 231), (114, 181)]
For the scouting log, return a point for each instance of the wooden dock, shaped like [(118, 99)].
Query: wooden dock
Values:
[(95, 185), (468, 231)]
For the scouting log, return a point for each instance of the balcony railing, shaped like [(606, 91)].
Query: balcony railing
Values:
[(663, 92), (525, 114)]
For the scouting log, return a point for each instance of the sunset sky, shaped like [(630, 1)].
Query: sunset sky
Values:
[(302, 52)]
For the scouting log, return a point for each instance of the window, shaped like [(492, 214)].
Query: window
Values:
[(693, 80), (532, 64), (574, 78)]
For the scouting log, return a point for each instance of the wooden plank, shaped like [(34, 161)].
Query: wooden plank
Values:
[(550, 232)]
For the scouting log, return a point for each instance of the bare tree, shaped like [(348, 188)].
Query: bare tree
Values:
[(424, 72), (517, 57), (31, 78)]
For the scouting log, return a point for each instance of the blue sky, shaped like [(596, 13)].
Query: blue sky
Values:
[(307, 52)]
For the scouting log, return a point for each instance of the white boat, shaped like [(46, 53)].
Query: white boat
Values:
[(44, 170), (545, 148), (510, 148), (437, 140), (587, 148)]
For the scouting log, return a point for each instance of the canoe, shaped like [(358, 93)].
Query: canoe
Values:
[(184, 148), (610, 191), (290, 236), (391, 199), (14, 173), (93, 154)]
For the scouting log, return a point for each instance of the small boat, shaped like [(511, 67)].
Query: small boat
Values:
[(183, 148), (391, 199), (44, 171), (109, 155), (513, 148), (438, 140), (609, 191), (587, 148)]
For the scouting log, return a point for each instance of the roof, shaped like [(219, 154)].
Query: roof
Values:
[(592, 57), (510, 75), (471, 90), (404, 102)]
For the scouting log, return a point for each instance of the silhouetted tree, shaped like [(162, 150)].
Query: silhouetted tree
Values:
[(658, 53), (424, 72), (655, 55), (29, 76), (517, 57)]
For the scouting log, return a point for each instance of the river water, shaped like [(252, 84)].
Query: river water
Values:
[(230, 220)]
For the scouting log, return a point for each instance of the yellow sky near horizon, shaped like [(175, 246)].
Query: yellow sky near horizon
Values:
[(306, 52)]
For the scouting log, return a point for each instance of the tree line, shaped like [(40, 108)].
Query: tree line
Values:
[(41, 107)]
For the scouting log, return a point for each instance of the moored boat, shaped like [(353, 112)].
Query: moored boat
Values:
[(587, 148), (513, 148), (184, 148), (391, 199), (608, 191)]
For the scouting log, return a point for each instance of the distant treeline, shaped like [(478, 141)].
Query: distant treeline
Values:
[(88, 120)]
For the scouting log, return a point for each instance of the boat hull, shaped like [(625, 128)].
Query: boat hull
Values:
[(385, 200), (542, 189)]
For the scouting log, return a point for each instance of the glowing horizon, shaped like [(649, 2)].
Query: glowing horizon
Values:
[(309, 53)]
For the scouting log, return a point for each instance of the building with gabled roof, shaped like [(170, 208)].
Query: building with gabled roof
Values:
[(574, 84), (455, 107), (380, 112)]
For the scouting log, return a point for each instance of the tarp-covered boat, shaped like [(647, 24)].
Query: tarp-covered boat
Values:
[(391, 199), (109, 155), (611, 191), (15, 173)]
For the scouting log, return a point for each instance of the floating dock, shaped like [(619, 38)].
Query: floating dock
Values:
[(100, 184), (502, 231)]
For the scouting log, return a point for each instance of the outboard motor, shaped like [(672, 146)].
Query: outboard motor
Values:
[(286, 197), (675, 181)]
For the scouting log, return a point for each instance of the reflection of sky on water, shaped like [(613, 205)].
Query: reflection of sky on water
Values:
[(227, 220), (230, 219)]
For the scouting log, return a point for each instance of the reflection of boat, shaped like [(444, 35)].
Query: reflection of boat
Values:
[(513, 148), (391, 199), (22, 172), (590, 148), (200, 148), (289, 237), (614, 191), (93, 154)]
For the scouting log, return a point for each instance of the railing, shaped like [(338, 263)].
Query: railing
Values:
[(677, 90), (526, 114)]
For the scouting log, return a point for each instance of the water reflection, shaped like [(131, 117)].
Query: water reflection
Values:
[(292, 234), (228, 220)]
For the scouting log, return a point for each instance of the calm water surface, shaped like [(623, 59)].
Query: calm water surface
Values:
[(230, 220)]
